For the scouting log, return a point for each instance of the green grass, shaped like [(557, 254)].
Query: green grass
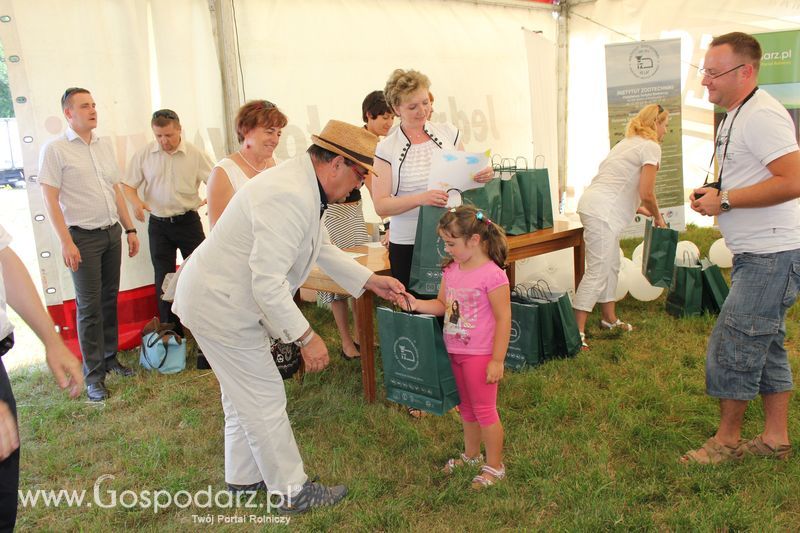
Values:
[(592, 444)]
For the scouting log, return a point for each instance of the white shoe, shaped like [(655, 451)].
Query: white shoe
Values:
[(618, 324)]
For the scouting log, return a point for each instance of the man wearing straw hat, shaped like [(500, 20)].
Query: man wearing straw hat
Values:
[(236, 291)]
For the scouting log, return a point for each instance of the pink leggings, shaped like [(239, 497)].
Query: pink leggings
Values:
[(478, 398)]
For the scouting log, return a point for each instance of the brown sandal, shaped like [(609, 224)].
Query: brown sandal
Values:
[(758, 448), (715, 453)]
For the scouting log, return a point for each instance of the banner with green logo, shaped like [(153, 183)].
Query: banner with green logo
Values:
[(638, 74), (779, 74)]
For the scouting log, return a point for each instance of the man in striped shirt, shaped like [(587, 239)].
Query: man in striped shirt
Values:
[(80, 184)]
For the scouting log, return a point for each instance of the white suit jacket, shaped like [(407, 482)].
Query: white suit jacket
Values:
[(241, 280)]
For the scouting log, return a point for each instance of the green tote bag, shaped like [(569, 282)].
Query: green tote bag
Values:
[(715, 288), (416, 368), (658, 256), (426, 262)]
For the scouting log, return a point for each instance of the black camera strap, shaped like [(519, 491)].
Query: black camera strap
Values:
[(727, 140)]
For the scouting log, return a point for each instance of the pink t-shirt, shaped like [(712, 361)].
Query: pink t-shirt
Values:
[(468, 318)]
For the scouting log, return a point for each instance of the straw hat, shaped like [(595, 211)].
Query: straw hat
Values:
[(352, 142)]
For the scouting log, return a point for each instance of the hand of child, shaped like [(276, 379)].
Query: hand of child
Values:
[(494, 372), (406, 302)]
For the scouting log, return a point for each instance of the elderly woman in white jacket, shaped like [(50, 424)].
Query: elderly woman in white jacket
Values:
[(624, 185)]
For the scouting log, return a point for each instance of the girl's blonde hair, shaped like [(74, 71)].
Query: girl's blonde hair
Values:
[(402, 83), (644, 123), (465, 221)]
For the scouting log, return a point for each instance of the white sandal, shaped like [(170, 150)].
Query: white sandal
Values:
[(618, 324), (452, 464), (479, 482), (584, 346)]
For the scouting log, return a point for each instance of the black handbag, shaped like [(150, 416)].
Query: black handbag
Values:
[(287, 357)]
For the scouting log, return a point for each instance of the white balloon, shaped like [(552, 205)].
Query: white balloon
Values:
[(687, 253), (623, 282), (720, 255), (640, 288), (637, 254)]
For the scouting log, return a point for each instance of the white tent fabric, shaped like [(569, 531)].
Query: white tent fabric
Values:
[(317, 59), (695, 22), (133, 61)]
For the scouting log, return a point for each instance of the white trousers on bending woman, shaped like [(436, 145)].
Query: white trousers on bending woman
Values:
[(599, 283), (259, 442)]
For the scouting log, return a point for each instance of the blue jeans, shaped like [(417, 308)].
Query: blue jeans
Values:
[(745, 354)]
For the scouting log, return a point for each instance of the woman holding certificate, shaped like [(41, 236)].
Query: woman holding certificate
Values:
[(403, 163)]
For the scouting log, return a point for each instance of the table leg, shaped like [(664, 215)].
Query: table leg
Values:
[(366, 338), (511, 272), (579, 258)]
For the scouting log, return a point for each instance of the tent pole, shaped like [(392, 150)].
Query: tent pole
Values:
[(222, 24), (563, 85)]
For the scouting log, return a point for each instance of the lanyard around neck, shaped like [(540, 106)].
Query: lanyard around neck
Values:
[(728, 137)]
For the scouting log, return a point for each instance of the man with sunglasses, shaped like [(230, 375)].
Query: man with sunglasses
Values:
[(169, 172), (236, 291), (80, 183), (759, 216)]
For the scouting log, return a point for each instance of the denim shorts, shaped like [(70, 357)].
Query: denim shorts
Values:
[(746, 356)]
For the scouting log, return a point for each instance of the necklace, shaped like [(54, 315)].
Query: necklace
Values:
[(250, 165)]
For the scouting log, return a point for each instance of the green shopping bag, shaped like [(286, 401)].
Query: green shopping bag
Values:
[(715, 288), (523, 345), (531, 294), (416, 368), (567, 337), (488, 198), (426, 262), (658, 256), (512, 213), (685, 296), (534, 186)]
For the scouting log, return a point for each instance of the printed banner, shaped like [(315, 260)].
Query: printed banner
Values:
[(779, 74), (638, 74)]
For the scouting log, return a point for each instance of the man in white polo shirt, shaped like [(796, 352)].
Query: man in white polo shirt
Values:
[(80, 184), (169, 171)]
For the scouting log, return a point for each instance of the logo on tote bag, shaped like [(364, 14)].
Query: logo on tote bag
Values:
[(514, 331), (405, 353)]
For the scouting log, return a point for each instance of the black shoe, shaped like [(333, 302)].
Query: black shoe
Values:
[(237, 489), (202, 362), (97, 392), (112, 365), (313, 495)]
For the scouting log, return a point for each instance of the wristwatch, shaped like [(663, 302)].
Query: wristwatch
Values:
[(129, 231), (724, 204), (305, 340)]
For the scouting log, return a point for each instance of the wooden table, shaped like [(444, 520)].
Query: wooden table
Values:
[(564, 234)]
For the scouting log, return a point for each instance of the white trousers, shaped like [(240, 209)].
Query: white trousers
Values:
[(599, 283), (259, 442)]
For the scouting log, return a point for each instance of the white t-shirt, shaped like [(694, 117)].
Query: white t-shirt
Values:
[(415, 171), (5, 325), (613, 195), (762, 132)]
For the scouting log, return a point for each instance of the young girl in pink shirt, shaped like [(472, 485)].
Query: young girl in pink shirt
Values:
[(475, 300)]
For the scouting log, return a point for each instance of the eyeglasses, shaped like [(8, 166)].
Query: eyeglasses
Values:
[(358, 170), (711, 75), (166, 113)]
